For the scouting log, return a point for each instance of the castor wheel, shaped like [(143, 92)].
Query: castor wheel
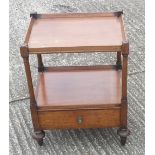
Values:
[(38, 136), (123, 133)]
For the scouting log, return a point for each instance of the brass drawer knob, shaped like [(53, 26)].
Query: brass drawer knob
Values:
[(79, 119)]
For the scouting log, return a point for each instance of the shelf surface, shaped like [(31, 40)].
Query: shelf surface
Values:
[(79, 88), (71, 32)]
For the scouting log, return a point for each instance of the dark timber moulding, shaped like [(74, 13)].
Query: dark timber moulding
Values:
[(34, 15), (118, 13), (24, 50)]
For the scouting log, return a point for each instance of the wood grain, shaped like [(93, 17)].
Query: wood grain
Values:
[(76, 32), (69, 119), (79, 88), (78, 97)]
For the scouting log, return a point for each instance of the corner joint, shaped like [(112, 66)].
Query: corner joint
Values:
[(42, 69), (33, 104), (24, 50), (118, 13), (118, 66), (125, 48), (34, 15), (124, 100)]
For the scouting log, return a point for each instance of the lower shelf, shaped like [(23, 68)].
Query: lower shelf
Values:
[(72, 88)]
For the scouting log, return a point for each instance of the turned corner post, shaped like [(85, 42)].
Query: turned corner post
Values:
[(125, 53), (25, 55), (123, 131)]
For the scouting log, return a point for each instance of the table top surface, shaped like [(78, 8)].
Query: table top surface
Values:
[(75, 31)]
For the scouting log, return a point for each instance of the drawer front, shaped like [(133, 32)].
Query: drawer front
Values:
[(79, 119)]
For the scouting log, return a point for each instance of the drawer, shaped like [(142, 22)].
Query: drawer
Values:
[(79, 119)]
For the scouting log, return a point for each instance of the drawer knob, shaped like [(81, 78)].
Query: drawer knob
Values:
[(79, 119)]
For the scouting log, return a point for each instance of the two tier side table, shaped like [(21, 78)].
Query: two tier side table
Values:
[(71, 97)]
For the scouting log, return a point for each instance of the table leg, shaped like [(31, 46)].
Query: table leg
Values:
[(119, 61), (33, 105), (40, 63), (123, 131), (39, 136)]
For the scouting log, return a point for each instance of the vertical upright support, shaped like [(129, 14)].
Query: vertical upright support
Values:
[(124, 92), (25, 55), (40, 63), (119, 61), (125, 52), (123, 131)]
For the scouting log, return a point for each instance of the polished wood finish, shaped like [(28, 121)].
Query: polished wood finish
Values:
[(125, 52), (75, 32), (79, 89), (33, 105), (74, 15), (80, 68), (77, 96), (89, 119), (119, 60)]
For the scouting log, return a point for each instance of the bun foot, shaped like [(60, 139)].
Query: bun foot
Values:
[(123, 133), (40, 142), (38, 136), (123, 140)]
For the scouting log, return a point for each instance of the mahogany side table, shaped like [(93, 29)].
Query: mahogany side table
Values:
[(77, 96)]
